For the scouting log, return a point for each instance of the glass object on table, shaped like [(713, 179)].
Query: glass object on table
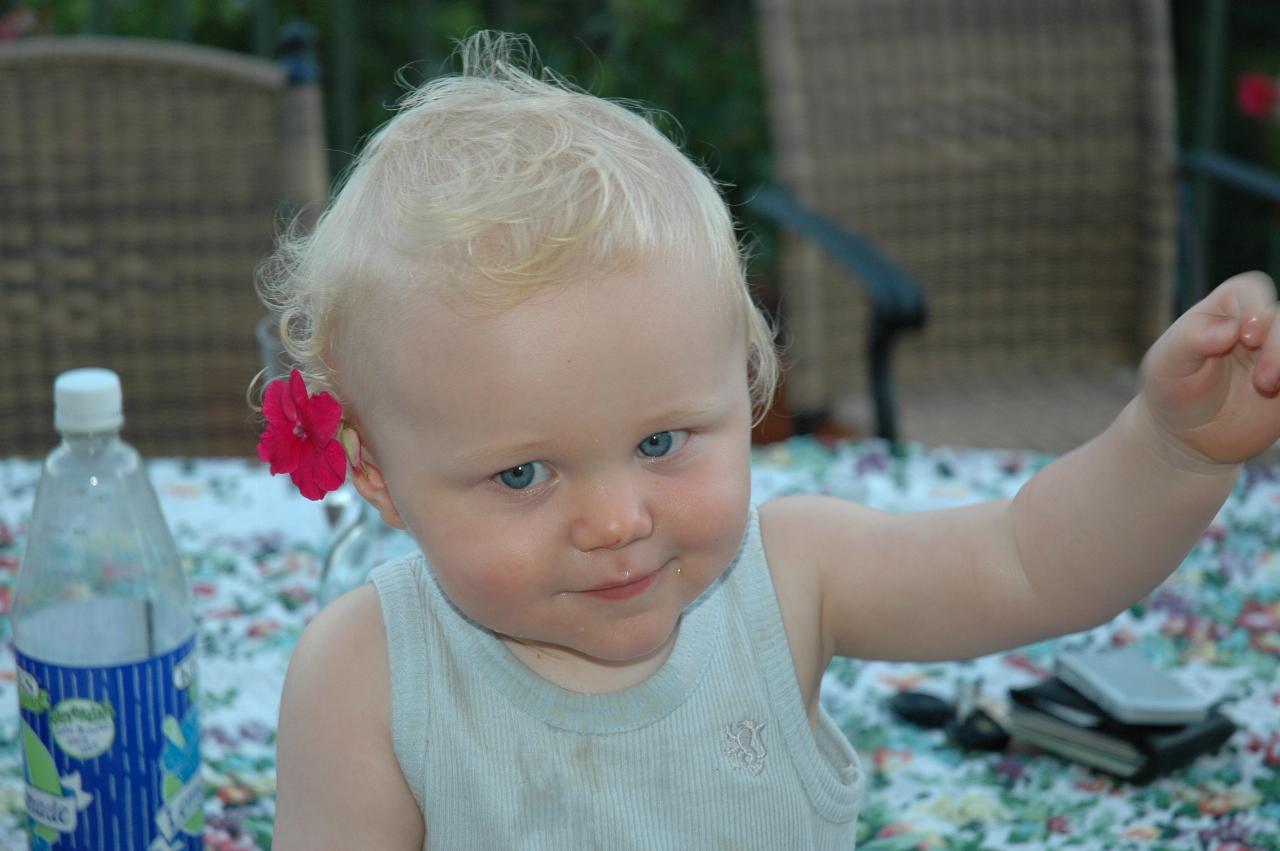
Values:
[(274, 359), (359, 548), (361, 540)]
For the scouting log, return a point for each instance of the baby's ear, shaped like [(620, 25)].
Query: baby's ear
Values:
[(369, 482)]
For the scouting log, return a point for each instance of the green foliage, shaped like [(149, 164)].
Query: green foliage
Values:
[(695, 62), (1240, 232)]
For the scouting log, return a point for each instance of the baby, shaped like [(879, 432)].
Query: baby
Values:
[(532, 310)]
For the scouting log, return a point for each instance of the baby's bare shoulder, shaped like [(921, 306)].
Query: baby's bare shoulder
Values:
[(791, 531), (348, 630), (342, 650), (796, 528), (339, 785)]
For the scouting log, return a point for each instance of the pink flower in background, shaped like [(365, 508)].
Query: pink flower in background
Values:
[(1257, 616), (17, 22), (897, 828), (220, 840), (302, 436), (1059, 825), (1256, 95)]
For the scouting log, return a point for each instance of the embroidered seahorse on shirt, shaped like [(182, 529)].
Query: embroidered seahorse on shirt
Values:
[(745, 747)]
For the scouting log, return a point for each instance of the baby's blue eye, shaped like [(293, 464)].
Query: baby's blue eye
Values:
[(524, 475), (662, 443)]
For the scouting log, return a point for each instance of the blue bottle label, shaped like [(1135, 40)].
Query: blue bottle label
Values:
[(111, 754)]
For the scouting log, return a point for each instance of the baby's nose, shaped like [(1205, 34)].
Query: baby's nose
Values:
[(611, 518)]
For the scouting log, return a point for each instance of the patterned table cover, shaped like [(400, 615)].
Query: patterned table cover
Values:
[(253, 548)]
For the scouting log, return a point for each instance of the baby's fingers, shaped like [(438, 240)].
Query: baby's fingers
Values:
[(1240, 310), (1194, 339), (1250, 297), (1266, 364)]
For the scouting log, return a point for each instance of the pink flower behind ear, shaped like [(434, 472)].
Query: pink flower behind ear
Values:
[(301, 436)]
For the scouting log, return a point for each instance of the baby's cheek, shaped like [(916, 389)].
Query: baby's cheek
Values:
[(485, 594), (494, 604), (713, 505), (478, 569)]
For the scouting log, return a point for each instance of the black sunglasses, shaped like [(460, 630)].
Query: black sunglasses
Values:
[(968, 725)]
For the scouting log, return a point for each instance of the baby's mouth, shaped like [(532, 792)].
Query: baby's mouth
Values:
[(625, 589)]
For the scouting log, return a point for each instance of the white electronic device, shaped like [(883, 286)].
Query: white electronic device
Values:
[(1130, 688)]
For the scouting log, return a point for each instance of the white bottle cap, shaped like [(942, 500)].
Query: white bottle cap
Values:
[(87, 400)]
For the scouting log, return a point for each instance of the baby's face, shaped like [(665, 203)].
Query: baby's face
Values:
[(577, 468)]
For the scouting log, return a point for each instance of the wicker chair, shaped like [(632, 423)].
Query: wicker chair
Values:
[(141, 183), (1005, 167)]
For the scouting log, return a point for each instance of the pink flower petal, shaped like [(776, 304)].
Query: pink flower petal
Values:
[(266, 446), (331, 469), (321, 471), (273, 402), (295, 401), (300, 436), (306, 486), (323, 416), (286, 451), (305, 478)]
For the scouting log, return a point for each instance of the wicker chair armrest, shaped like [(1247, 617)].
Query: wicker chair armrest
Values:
[(898, 302), (1259, 182)]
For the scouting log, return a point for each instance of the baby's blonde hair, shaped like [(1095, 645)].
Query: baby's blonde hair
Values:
[(490, 184)]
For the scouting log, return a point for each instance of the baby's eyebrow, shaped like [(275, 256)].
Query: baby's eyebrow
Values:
[(496, 455), (502, 456), (686, 414), (693, 411)]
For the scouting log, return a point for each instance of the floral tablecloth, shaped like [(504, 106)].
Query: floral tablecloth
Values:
[(254, 549)]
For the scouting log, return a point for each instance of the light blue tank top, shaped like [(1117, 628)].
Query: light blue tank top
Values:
[(712, 751)]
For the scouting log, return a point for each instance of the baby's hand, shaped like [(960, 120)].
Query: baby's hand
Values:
[(1210, 382)]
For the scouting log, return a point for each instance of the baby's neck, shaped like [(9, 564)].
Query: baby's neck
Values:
[(576, 672)]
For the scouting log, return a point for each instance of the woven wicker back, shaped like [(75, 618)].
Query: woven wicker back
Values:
[(140, 184), (1014, 155)]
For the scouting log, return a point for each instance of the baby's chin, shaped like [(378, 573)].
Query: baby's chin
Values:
[(604, 663), (637, 652)]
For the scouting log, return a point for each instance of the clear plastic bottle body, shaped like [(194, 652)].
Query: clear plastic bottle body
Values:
[(98, 545), (105, 640)]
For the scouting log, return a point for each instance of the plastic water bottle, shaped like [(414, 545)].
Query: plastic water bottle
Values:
[(105, 641)]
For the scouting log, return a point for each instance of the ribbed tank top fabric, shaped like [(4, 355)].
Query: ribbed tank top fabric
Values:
[(714, 750)]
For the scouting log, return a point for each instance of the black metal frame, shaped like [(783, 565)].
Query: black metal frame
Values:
[(898, 303)]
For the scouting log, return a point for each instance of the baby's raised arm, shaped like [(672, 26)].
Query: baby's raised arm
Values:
[(1087, 536), (339, 784)]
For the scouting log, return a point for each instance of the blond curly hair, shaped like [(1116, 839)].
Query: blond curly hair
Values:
[(489, 184)]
